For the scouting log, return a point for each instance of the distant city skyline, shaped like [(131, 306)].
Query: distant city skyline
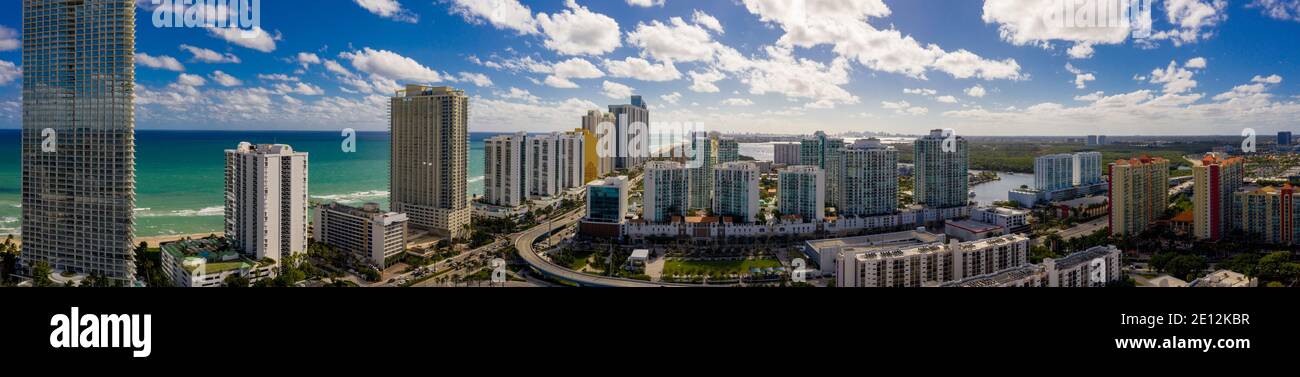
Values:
[(990, 68)]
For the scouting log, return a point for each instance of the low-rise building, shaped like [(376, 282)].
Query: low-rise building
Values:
[(1094, 267), (970, 230), (1225, 279), (929, 264), (208, 262), (1011, 220), (369, 234)]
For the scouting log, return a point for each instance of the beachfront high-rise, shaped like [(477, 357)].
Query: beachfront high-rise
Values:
[(823, 152), (505, 174), (801, 191), (1269, 214), (626, 116), (868, 179), (705, 147), (78, 198), (1139, 194), (1054, 172), (667, 191), (1216, 180), (266, 200), (728, 150), (735, 191), (941, 176), (429, 159)]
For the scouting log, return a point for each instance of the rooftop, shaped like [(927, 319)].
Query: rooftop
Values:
[(213, 253), (1085, 256), (1000, 278)]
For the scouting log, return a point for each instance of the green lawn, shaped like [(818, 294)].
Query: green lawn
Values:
[(708, 268)]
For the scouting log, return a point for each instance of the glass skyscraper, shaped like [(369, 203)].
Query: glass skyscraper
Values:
[(78, 142)]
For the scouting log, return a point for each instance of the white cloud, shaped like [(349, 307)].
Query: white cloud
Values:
[(9, 39), (920, 91), (209, 56), (703, 82), (677, 41), (1193, 20), (1091, 97), (389, 65), (256, 39), (1278, 9), (671, 98), (1081, 51), (389, 9), (159, 62), (519, 94), (9, 72), (946, 99), (843, 24), (1177, 79), (478, 79), (307, 59), (976, 91), (616, 91), (641, 69), (495, 115), (1036, 23), (738, 102), (299, 88), (191, 80), (562, 72), (1272, 79), (225, 80), (795, 78), (579, 31), (646, 3), (1081, 78), (502, 14), (904, 108), (707, 21), (277, 77)]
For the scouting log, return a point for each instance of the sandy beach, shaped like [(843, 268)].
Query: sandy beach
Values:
[(153, 241)]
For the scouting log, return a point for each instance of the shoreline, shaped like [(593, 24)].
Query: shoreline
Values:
[(154, 241)]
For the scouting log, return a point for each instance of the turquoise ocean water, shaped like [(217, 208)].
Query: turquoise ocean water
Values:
[(180, 174)]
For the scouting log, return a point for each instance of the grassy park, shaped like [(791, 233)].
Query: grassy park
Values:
[(679, 267)]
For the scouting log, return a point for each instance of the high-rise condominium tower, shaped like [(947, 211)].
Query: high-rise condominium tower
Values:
[(591, 123), (1217, 180), (868, 179), (429, 158), (824, 152), (78, 139), (625, 116), (801, 191), (266, 200), (667, 191), (735, 190), (1139, 194), (941, 171), (701, 181)]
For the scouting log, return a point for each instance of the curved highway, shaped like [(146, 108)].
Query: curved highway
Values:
[(525, 241)]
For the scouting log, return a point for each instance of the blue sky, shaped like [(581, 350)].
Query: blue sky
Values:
[(981, 67)]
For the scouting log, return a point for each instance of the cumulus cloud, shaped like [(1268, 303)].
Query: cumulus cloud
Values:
[(671, 98), (676, 40), (1081, 78), (920, 91), (208, 56), (738, 102), (9, 39), (225, 79), (707, 21), (502, 14), (646, 3), (579, 31), (390, 9), (641, 69), (616, 91), (563, 72), (256, 39), (976, 91), (904, 108), (519, 94), (703, 81), (843, 25), (1177, 79), (946, 99), (159, 62), (389, 65), (1278, 9), (478, 79), (9, 72)]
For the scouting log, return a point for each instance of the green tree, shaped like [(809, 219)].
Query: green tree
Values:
[(1278, 267), (1245, 264), (41, 275), (1186, 266), (236, 281)]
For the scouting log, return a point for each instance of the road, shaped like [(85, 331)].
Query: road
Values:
[(1081, 230), (524, 243), (496, 245)]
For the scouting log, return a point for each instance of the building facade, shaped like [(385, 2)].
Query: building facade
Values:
[(208, 262), (928, 264), (868, 179), (1054, 172), (1139, 194), (824, 152), (604, 158), (941, 172), (701, 180), (801, 190), (607, 200), (367, 233), (266, 200), (786, 153), (1216, 181), (429, 158), (628, 118), (735, 191), (1270, 214), (1087, 169), (667, 191), (505, 176), (728, 150), (78, 93)]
